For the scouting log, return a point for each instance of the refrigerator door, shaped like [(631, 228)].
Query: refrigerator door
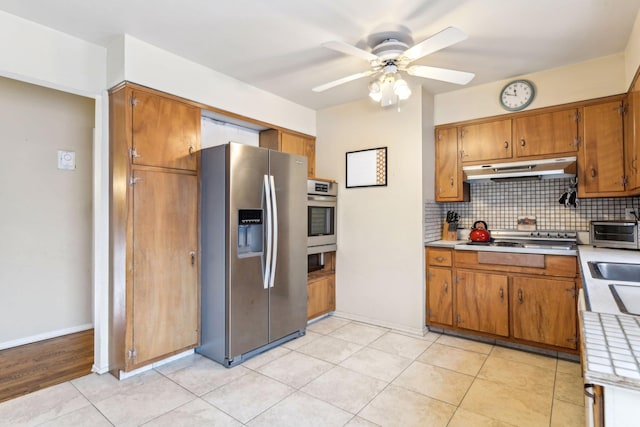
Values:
[(288, 295), (247, 302)]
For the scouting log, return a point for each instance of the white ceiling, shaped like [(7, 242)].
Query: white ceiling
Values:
[(275, 45)]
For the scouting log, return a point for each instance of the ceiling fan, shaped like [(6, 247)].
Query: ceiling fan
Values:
[(390, 54)]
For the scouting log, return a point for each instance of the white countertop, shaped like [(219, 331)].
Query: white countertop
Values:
[(461, 245), (611, 339), (597, 294)]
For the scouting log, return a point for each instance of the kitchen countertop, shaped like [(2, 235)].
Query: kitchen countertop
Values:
[(611, 339), (462, 246)]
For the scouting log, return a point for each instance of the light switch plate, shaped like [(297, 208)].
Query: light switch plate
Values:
[(66, 160)]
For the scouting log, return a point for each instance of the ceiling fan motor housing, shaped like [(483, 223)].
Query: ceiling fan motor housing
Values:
[(389, 49)]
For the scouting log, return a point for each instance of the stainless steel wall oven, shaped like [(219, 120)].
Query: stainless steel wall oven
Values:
[(321, 216)]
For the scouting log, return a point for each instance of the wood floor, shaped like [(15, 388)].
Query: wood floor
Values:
[(30, 367)]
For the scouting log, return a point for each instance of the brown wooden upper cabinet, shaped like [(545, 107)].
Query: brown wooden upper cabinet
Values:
[(292, 143), (165, 131), (632, 140), (601, 166), (547, 133), (449, 181), (488, 141)]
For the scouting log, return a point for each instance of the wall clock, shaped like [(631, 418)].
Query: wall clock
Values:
[(517, 95)]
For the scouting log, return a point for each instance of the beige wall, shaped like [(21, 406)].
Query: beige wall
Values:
[(380, 266), (591, 79), (45, 214), (632, 53)]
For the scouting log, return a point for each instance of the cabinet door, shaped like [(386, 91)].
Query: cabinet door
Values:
[(546, 134), (601, 165), (165, 308), (486, 141), (482, 302), (544, 311), (449, 184), (166, 133), (321, 296), (439, 296), (296, 144), (632, 140)]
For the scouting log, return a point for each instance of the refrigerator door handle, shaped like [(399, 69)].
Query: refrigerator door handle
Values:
[(274, 224), (267, 259)]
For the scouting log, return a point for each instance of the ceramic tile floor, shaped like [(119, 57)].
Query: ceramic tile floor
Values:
[(342, 373)]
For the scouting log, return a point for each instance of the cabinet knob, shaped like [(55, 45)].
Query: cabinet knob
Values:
[(446, 287), (593, 172), (192, 254), (439, 258), (506, 145), (190, 150), (522, 142), (451, 181), (520, 296), (501, 294)]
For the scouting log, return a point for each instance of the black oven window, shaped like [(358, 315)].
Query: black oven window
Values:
[(321, 221)]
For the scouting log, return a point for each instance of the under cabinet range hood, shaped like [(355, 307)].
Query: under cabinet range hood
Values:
[(564, 167)]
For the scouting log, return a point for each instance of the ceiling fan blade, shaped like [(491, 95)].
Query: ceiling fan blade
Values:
[(445, 38), (343, 80), (443, 74), (348, 49)]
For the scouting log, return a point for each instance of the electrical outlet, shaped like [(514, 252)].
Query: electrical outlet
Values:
[(630, 213)]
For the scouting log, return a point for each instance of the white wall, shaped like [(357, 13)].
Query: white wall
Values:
[(379, 266), (215, 133), (591, 79), (428, 148), (46, 215)]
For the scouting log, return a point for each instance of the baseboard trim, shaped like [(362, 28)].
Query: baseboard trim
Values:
[(45, 336)]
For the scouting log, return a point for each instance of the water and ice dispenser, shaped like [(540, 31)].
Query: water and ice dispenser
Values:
[(250, 232)]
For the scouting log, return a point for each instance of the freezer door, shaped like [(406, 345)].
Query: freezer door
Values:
[(247, 299), (288, 296)]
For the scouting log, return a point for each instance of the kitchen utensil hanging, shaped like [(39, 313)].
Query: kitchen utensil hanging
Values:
[(570, 197)]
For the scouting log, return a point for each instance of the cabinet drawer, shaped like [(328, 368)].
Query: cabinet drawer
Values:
[(550, 265), (439, 257)]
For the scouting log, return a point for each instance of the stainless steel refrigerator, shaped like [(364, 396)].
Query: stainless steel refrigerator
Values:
[(254, 256)]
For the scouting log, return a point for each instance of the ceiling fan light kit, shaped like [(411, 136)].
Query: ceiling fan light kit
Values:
[(390, 55)]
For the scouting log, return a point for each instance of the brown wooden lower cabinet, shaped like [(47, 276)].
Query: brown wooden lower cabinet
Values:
[(321, 296), (544, 311), (482, 302), (522, 298), (440, 296), (321, 288)]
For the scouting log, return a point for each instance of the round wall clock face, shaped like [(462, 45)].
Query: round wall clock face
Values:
[(517, 95)]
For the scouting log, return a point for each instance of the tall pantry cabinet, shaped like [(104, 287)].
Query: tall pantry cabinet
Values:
[(154, 198)]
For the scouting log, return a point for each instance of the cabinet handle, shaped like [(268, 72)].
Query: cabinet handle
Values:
[(506, 145), (586, 393), (634, 163), (439, 258), (451, 181), (462, 154), (522, 142), (501, 294), (192, 254), (190, 150), (520, 298), (593, 172), (446, 287)]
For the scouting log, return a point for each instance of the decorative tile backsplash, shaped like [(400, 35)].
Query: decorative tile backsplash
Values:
[(500, 203)]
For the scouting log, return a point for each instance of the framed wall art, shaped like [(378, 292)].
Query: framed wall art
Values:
[(367, 168)]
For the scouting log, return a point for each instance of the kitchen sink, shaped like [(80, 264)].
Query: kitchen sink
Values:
[(615, 271)]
